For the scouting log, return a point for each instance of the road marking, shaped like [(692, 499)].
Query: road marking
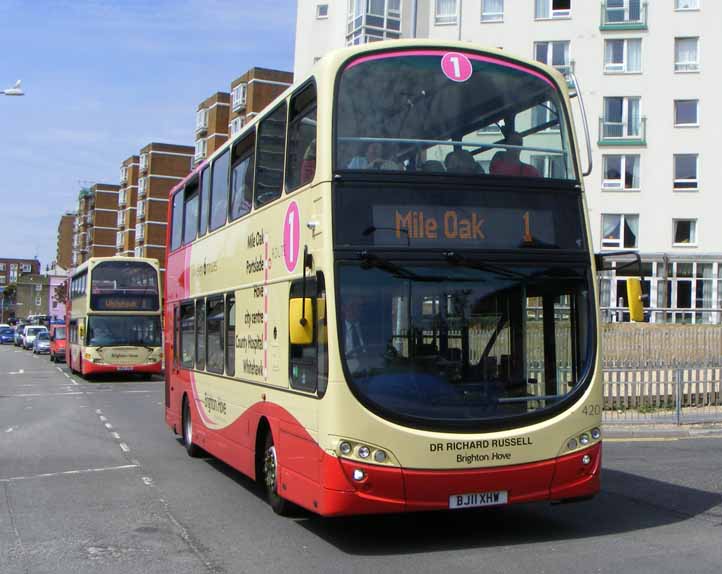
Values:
[(123, 447), (98, 412), (115, 435), (109, 426), (662, 438), (27, 395), (69, 472), (103, 418), (11, 429), (147, 480), (59, 369), (19, 372)]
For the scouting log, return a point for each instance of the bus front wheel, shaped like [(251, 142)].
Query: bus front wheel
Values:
[(187, 426), (270, 478)]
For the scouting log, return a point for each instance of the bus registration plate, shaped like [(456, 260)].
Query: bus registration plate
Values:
[(475, 499), (124, 368)]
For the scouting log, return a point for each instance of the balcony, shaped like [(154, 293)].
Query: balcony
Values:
[(201, 121), (239, 97), (121, 219), (119, 240), (142, 186), (201, 147), (139, 232), (623, 15), (144, 162), (122, 198), (622, 133), (141, 210), (123, 175)]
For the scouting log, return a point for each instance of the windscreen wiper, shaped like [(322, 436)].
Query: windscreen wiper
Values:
[(369, 260), (456, 259)]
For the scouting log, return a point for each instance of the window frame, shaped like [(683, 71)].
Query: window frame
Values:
[(200, 335), (606, 183), (209, 301), (612, 68), (687, 67), (680, 125), (175, 226), (495, 16), (678, 8), (558, 14), (226, 154), (249, 152), (561, 68), (624, 121), (621, 240), (678, 182), (194, 181), (290, 122), (229, 349), (205, 200), (184, 306), (446, 19), (257, 164), (693, 242), (320, 16)]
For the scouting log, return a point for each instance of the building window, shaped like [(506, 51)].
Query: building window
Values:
[(686, 4), (38, 301), (553, 54), (38, 287), (445, 12), (686, 113), (237, 125), (2, 279), (373, 20), (201, 122), (238, 96), (200, 151), (620, 231), (138, 251), (685, 172), (622, 118), (685, 232), (686, 54), (623, 56), (492, 10), (2, 267), (621, 172), (321, 11), (144, 161), (546, 9)]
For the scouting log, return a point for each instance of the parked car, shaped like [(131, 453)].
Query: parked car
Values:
[(57, 343), (32, 331), (7, 335), (41, 343), (18, 338)]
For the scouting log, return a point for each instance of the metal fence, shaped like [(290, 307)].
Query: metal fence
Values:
[(662, 374)]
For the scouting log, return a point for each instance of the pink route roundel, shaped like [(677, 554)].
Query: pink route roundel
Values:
[(456, 67), (291, 236)]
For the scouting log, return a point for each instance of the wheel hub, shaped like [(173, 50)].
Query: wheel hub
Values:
[(269, 468)]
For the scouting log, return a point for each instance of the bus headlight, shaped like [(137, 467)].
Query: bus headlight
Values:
[(364, 452), (596, 433), (379, 456), (584, 439), (345, 448), (572, 444)]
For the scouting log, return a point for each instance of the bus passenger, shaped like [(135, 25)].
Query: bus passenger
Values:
[(508, 163), (461, 161), (374, 159)]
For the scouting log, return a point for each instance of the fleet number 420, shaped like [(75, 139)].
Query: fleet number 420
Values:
[(592, 410)]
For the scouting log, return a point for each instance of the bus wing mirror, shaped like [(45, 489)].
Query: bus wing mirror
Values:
[(634, 296), (300, 328), (81, 331), (578, 94)]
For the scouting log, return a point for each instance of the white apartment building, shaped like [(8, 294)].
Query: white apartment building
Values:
[(646, 73)]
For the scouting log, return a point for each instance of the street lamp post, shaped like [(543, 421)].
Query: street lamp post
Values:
[(16, 90)]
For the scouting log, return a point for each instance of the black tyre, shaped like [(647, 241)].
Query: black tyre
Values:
[(187, 424), (270, 478)]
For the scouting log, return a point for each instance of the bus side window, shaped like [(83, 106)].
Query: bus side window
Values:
[(214, 334), (205, 201), (201, 334), (269, 160), (190, 212), (176, 335), (242, 177), (301, 153), (230, 334), (308, 364), (219, 191), (187, 334), (176, 230)]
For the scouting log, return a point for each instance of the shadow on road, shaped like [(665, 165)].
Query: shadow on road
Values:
[(627, 503)]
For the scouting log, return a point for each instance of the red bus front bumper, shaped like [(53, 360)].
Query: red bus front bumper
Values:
[(386, 489), (96, 369)]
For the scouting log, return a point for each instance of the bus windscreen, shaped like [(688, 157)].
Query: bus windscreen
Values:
[(123, 330), (438, 112), (124, 286)]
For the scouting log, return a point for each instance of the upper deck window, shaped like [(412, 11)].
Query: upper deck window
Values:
[(431, 111), (124, 286)]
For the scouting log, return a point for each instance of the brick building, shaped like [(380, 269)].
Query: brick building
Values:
[(127, 206), (161, 167), (11, 272), (252, 92), (64, 251), (32, 295), (212, 120), (96, 222)]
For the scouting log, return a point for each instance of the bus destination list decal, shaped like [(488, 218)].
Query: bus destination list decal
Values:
[(252, 340), (485, 450), (486, 227)]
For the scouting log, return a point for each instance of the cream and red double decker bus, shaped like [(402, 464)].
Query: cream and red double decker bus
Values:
[(380, 295), (114, 317)]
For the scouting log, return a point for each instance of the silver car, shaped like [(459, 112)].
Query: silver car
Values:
[(32, 331), (41, 344)]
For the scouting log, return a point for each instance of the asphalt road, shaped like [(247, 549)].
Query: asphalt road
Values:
[(92, 481)]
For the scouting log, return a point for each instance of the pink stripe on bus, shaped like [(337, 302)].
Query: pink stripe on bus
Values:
[(471, 56)]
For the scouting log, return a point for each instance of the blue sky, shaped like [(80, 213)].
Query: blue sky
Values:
[(104, 78)]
